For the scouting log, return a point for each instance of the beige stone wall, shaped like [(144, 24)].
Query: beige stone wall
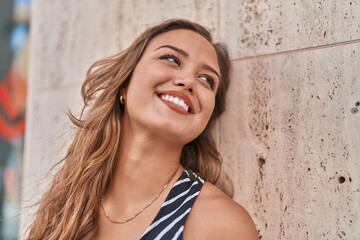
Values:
[(289, 138)]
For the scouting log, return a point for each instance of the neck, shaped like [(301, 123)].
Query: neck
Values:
[(145, 164)]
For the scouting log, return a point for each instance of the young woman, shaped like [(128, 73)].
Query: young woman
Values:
[(136, 166)]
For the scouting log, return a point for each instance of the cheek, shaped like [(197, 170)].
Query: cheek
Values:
[(151, 73), (159, 74), (208, 105), (144, 80)]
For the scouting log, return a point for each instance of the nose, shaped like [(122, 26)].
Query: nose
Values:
[(186, 83)]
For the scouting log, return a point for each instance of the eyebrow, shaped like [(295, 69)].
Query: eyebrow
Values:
[(184, 53), (207, 67)]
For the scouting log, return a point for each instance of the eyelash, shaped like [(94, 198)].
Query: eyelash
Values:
[(210, 81), (176, 60), (168, 56)]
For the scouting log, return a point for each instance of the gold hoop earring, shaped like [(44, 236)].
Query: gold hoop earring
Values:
[(122, 99)]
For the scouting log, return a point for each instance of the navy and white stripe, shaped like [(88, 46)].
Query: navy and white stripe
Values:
[(169, 222)]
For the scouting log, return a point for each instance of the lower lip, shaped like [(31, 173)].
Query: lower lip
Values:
[(175, 107)]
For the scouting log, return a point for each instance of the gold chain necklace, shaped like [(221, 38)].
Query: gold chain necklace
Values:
[(148, 205)]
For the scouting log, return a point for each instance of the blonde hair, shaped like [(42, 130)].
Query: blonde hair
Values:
[(70, 208)]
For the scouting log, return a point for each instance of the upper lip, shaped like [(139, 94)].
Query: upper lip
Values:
[(179, 95)]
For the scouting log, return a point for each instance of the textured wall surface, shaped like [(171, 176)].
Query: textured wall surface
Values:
[(294, 149), (290, 136)]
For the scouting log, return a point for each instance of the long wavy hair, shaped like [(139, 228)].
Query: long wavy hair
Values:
[(70, 208)]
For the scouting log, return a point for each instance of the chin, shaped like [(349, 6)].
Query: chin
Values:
[(177, 137), (173, 132)]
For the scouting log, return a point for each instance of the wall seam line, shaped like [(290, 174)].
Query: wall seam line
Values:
[(306, 49)]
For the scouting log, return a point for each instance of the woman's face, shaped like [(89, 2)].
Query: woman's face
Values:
[(172, 90)]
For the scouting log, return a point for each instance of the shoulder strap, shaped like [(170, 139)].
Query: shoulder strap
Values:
[(169, 222)]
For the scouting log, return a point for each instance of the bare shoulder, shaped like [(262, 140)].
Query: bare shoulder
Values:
[(216, 216)]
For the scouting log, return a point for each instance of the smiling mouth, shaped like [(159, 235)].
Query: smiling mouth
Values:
[(176, 101)]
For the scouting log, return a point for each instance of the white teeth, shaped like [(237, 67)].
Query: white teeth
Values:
[(179, 102)]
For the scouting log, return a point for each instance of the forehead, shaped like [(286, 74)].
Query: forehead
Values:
[(192, 42)]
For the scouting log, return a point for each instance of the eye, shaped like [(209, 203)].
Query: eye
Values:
[(171, 58), (208, 80)]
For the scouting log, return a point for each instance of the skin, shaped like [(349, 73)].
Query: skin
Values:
[(153, 134)]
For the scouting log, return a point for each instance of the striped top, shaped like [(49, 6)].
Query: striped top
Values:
[(169, 222)]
